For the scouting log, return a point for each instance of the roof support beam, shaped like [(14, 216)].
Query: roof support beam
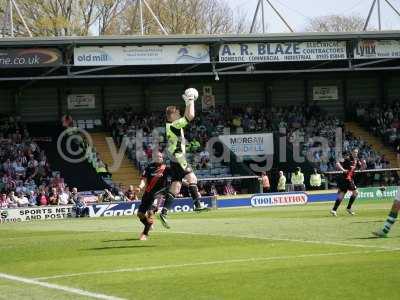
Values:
[(193, 74), (373, 62), (93, 70)]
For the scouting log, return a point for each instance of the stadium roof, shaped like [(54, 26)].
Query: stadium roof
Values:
[(193, 39), (67, 70)]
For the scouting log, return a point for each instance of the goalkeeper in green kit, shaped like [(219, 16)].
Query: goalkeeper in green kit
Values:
[(176, 151)]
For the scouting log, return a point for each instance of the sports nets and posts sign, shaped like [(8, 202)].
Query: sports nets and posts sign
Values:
[(249, 144), (31, 57), (114, 209), (141, 55), (370, 49), (281, 52), (12, 215)]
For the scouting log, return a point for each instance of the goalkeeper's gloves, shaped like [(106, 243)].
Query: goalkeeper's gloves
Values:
[(187, 99)]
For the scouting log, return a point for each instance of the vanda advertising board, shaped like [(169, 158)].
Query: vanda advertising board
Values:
[(278, 52), (12, 215), (141, 55), (249, 144), (131, 208)]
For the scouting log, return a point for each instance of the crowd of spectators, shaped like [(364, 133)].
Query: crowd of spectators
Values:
[(95, 160), (310, 126), (304, 125), (26, 178), (383, 120)]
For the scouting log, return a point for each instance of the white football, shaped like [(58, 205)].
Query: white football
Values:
[(192, 93)]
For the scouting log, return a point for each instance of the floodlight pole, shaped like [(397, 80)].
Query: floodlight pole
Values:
[(155, 17), (21, 17), (255, 16), (369, 15), (261, 3), (141, 17), (280, 16), (11, 18), (392, 7), (379, 15), (141, 20), (263, 17)]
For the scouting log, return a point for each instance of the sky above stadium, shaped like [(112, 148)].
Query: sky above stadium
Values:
[(298, 12)]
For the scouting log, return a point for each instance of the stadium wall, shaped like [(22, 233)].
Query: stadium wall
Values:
[(38, 104), (334, 107), (47, 102), (119, 95), (186, 204), (251, 92), (93, 89), (286, 92), (393, 88), (362, 90), (6, 102)]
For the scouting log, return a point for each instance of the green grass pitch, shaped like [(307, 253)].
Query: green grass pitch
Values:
[(297, 252)]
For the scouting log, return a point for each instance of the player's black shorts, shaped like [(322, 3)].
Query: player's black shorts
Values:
[(345, 185), (147, 202), (178, 172)]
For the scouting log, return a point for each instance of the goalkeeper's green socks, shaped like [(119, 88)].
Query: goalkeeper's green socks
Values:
[(169, 198), (391, 219)]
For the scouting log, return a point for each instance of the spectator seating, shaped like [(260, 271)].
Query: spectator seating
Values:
[(26, 178)]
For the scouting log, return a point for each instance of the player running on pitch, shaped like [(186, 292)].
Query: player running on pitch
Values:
[(346, 180), (176, 150), (391, 219), (154, 179)]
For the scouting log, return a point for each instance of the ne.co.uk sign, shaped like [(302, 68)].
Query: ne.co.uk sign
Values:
[(281, 199)]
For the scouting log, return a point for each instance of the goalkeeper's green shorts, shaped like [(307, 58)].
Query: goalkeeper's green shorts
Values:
[(180, 168)]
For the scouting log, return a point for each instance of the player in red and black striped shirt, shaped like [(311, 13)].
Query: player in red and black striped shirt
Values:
[(154, 181), (346, 180)]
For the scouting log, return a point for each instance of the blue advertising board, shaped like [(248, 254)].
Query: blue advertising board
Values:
[(131, 207), (264, 200)]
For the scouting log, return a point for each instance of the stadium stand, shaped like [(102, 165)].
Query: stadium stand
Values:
[(126, 174), (26, 176), (384, 122), (302, 123)]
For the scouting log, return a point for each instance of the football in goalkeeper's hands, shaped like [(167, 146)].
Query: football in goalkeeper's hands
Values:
[(191, 94)]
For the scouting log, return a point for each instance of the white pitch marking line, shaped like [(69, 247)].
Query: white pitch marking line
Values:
[(285, 240), (206, 263), (58, 287)]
